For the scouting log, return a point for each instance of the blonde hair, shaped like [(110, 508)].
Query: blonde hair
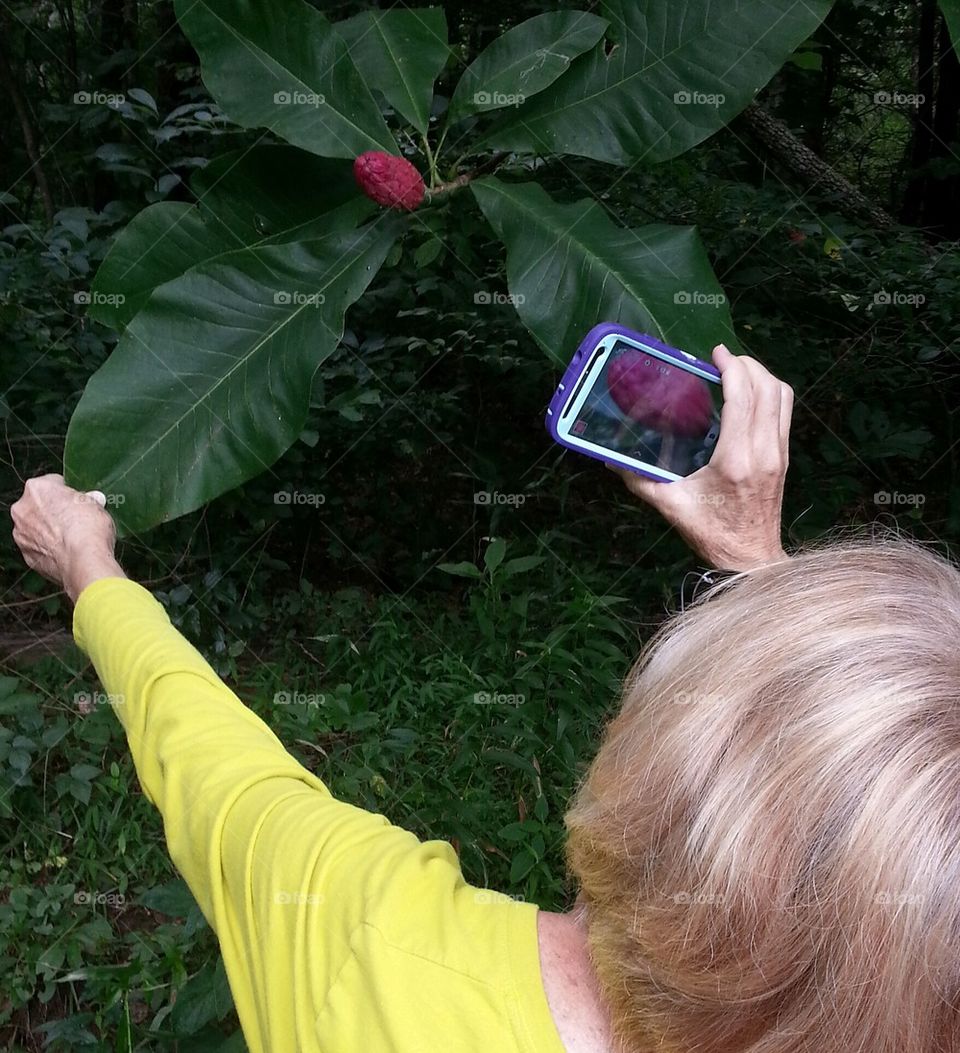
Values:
[(768, 841)]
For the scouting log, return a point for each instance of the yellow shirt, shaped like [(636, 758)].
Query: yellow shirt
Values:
[(339, 931)]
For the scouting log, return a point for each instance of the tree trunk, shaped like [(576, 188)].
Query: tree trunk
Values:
[(921, 143), (9, 82), (942, 199), (802, 162)]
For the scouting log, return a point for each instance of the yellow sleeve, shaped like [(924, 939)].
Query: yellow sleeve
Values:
[(285, 874)]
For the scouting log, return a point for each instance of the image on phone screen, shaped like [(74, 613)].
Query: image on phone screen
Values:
[(640, 406)]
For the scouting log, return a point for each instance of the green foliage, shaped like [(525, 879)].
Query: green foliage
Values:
[(400, 53), (569, 265), (191, 349), (671, 75), (266, 195), (241, 334), (951, 12), (283, 66), (523, 61)]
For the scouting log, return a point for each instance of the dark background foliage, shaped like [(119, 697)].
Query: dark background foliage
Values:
[(335, 619)]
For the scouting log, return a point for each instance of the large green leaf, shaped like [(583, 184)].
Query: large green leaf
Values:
[(159, 243), (524, 61), (569, 267), (400, 52), (267, 195), (951, 12), (279, 64), (210, 383), (677, 72)]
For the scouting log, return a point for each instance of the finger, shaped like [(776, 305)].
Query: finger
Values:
[(99, 496), (737, 411), (764, 436)]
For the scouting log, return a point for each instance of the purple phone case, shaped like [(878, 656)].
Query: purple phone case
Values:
[(574, 371)]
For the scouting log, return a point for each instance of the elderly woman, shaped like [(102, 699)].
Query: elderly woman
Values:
[(767, 844)]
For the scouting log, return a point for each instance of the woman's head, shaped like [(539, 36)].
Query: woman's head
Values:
[(768, 841)]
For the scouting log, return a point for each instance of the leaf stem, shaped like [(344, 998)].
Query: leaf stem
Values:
[(430, 160), (488, 166)]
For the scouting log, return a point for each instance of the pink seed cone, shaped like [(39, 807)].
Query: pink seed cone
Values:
[(676, 402), (390, 181)]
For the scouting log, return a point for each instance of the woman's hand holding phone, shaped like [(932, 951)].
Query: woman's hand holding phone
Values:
[(729, 511)]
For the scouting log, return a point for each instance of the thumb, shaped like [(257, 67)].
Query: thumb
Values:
[(99, 496)]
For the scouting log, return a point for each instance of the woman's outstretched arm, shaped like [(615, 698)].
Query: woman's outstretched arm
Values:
[(286, 874)]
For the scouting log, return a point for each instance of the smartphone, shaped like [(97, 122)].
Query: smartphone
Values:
[(630, 400)]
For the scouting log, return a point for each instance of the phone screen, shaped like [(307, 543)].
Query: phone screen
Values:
[(640, 406)]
